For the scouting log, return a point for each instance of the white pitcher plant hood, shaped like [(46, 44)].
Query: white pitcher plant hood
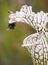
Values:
[(35, 43)]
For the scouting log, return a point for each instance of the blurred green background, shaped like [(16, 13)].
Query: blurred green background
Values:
[(11, 52)]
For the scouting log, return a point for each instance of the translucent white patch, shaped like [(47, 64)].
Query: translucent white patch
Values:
[(36, 20)]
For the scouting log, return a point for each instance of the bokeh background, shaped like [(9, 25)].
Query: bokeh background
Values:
[(11, 52)]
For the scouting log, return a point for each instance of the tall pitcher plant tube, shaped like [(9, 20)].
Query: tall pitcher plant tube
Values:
[(35, 43)]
